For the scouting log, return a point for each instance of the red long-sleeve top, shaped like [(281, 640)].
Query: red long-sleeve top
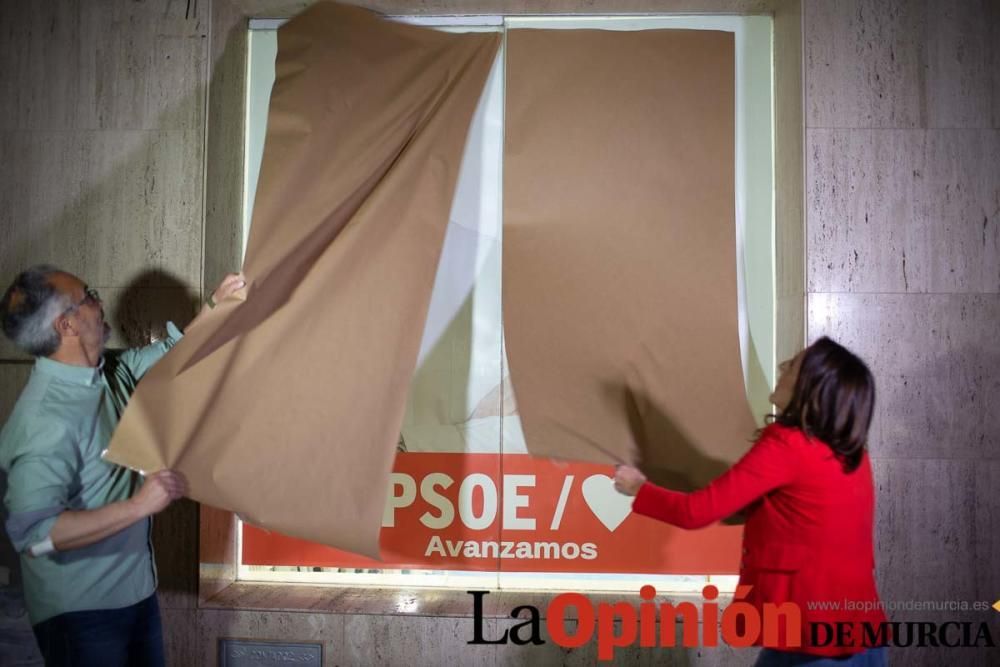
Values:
[(808, 532)]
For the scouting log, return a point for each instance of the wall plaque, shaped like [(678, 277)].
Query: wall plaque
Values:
[(245, 653)]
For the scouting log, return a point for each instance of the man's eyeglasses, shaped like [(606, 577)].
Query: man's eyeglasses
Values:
[(90, 296)]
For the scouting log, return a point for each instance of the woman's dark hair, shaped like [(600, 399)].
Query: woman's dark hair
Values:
[(833, 400)]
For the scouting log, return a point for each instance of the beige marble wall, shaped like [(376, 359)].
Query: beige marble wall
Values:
[(102, 123), (102, 134), (903, 264)]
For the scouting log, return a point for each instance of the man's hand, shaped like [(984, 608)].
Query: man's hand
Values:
[(80, 528), (159, 490), (229, 285), (628, 480)]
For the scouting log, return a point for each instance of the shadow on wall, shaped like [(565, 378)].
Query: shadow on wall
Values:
[(141, 312)]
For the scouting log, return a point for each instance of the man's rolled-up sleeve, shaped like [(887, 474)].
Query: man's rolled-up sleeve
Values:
[(38, 487)]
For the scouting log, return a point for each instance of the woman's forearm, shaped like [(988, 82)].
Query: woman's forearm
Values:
[(673, 507)]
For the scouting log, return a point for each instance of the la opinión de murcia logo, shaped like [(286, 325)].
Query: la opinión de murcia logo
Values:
[(620, 624)]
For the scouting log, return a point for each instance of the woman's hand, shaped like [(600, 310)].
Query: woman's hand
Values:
[(628, 480)]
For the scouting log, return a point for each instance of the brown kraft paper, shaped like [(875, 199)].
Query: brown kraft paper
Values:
[(286, 406), (619, 250)]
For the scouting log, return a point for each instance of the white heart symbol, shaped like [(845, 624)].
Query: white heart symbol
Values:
[(607, 504)]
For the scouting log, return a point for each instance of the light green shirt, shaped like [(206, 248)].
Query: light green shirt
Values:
[(51, 450)]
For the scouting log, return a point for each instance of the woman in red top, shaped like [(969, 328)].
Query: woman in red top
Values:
[(805, 488)]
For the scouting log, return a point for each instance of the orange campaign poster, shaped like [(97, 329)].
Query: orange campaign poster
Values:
[(513, 512)]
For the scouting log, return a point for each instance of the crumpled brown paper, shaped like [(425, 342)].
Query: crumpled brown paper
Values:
[(286, 406)]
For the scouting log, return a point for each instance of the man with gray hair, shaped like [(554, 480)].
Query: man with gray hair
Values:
[(82, 525)]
